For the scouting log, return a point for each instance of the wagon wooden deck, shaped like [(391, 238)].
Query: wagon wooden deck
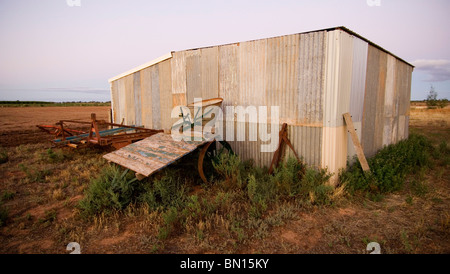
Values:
[(153, 153)]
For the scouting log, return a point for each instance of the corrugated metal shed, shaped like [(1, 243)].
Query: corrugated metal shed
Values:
[(313, 77)]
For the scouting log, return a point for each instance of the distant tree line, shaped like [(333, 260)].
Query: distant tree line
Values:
[(51, 104)]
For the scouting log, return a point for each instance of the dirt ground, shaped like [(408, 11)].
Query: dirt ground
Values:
[(18, 124), (43, 216)]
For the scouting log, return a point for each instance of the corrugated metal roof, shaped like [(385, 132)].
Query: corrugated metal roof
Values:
[(143, 66)]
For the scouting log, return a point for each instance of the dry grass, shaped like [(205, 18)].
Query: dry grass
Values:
[(44, 217)]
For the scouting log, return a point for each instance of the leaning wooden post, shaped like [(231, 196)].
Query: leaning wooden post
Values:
[(359, 151)]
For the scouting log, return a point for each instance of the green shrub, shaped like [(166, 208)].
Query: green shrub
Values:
[(314, 186), (113, 189), (389, 167), (230, 167), (287, 177), (165, 192), (170, 219), (291, 180)]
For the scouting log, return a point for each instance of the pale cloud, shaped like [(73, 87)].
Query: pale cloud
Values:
[(437, 70)]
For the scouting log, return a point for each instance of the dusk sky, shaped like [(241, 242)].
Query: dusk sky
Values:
[(54, 50)]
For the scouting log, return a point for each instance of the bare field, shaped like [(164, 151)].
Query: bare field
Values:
[(18, 124), (41, 192)]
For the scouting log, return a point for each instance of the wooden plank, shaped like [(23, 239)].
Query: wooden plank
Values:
[(152, 154), (359, 151)]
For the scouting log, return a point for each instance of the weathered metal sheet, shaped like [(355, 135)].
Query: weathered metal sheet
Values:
[(334, 146), (379, 112), (359, 67), (307, 142), (282, 74), (193, 75), (142, 67), (115, 101), (344, 78), (308, 107), (210, 72), (314, 77), (229, 74), (331, 89), (130, 118), (390, 102), (156, 103), (137, 98), (152, 154), (165, 89), (122, 106), (252, 73), (178, 69), (336, 100), (370, 99), (146, 97)]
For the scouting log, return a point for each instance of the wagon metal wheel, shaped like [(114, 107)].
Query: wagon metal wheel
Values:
[(209, 153)]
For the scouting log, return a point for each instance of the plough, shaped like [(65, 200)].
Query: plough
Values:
[(117, 137)]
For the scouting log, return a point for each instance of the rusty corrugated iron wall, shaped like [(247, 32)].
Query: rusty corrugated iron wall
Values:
[(313, 77)]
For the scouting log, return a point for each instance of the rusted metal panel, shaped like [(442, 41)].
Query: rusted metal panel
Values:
[(178, 68), (179, 99), (193, 75), (380, 101), (121, 90), (210, 72), (252, 73), (229, 74), (390, 102), (115, 101), (152, 154), (156, 103), (314, 77), (130, 118), (165, 89), (146, 97), (308, 107), (307, 142), (137, 98), (282, 74), (370, 99)]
